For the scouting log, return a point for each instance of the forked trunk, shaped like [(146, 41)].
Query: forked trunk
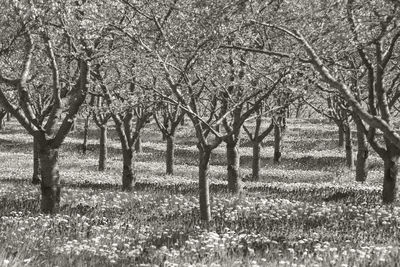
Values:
[(36, 162), (362, 154), (349, 149), (103, 148), (170, 156), (128, 174), (391, 167), (233, 162), (256, 161), (277, 143), (204, 187), (138, 144), (50, 184)]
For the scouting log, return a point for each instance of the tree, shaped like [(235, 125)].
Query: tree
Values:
[(68, 49), (256, 137), (375, 44), (125, 102), (168, 117), (336, 109), (101, 117)]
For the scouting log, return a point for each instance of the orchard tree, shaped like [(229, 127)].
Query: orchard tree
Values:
[(375, 42), (130, 108), (168, 117), (101, 116), (69, 41), (335, 108)]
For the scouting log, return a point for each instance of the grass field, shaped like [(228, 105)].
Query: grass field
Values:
[(287, 219)]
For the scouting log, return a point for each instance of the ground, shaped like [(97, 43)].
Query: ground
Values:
[(306, 211)]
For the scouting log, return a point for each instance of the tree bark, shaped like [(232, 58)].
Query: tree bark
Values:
[(85, 135), (256, 161), (349, 148), (138, 144), (299, 111), (204, 187), (8, 117), (233, 166), (36, 162), (128, 174), (103, 148), (277, 143), (170, 156), (341, 136), (362, 153), (50, 185), (391, 169), (3, 114), (73, 126), (183, 121)]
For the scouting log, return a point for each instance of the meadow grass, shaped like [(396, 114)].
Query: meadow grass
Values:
[(306, 211)]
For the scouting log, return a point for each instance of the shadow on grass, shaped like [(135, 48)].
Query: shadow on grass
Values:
[(15, 146)]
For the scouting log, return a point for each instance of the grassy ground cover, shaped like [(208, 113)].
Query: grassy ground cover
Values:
[(306, 211)]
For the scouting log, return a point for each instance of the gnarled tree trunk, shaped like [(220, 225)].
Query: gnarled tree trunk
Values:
[(50, 184), (103, 148), (170, 154), (233, 166), (204, 187), (36, 162)]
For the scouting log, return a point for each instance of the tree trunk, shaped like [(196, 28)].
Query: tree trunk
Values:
[(170, 156), (341, 136), (73, 126), (277, 143), (2, 121), (138, 144), (233, 162), (256, 161), (50, 185), (128, 174), (298, 111), (183, 121), (391, 169), (36, 162), (85, 135), (362, 154), (103, 148), (2, 125), (204, 187), (349, 148), (8, 116), (166, 126)]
